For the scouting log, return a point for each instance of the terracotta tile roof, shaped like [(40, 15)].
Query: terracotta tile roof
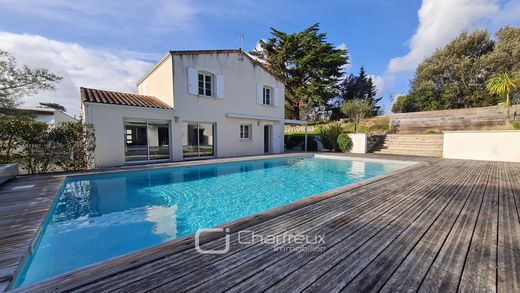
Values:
[(118, 98)]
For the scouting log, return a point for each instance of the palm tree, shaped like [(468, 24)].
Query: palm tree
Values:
[(502, 84)]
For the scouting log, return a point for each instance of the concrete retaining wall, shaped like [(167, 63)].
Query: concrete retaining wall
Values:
[(359, 143), (482, 145)]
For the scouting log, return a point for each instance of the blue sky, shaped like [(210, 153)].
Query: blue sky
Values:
[(110, 44)]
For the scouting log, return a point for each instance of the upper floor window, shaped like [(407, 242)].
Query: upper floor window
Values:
[(205, 84), (267, 96)]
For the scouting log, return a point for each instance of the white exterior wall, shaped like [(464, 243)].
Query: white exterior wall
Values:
[(482, 145), (359, 143), (108, 121), (60, 117), (240, 79), (159, 82), (239, 96)]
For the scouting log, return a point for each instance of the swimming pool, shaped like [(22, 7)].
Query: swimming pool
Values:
[(97, 217)]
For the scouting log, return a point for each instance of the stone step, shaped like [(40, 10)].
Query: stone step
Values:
[(415, 135), (414, 143), (410, 153), (414, 138), (412, 149)]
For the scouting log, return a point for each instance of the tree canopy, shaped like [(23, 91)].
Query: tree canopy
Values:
[(455, 76), (18, 82), (309, 66), (356, 87), (356, 110), (55, 106)]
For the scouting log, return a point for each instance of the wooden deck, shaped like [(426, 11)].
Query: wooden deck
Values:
[(24, 202), (444, 225)]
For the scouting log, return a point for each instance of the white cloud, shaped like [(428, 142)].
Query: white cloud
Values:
[(439, 22), (379, 82), (79, 66), (342, 46), (112, 18), (346, 67), (509, 13)]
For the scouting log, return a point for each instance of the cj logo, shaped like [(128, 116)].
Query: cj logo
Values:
[(212, 230)]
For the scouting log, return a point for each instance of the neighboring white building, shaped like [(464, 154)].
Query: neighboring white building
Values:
[(47, 115), (191, 105)]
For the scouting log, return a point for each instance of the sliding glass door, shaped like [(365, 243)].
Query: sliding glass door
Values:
[(147, 141), (198, 140)]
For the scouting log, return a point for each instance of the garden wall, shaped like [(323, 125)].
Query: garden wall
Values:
[(483, 118), (483, 145)]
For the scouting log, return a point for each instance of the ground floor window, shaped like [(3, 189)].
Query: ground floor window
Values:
[(147, 140), (245, 131), (198, 139)]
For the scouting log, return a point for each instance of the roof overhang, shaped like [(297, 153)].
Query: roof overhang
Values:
[(294, 122), (253, 117), (115, 106)]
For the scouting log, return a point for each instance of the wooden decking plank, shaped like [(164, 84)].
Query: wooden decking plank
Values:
[(375, 275), (240, 272), (446, 270), (170, 274), (508, 249), (480, 267), (423, 254), (342, 273), (328, 259), (315, 213), (24, 202)]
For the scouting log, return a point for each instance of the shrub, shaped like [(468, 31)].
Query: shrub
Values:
[(344, 142), (330, 133), (516, 125), (41, 148)]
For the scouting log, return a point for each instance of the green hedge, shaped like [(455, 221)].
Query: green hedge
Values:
[(345, 142)]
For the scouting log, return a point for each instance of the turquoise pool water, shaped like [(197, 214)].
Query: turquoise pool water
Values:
[(102, 216)]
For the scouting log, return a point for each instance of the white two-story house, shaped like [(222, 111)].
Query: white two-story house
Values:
[(190, 105)]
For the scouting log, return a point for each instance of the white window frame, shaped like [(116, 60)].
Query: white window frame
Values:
[(212, 83), (246, 131), (265, 89)]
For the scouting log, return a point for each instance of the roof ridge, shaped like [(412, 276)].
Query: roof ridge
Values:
[(103, 90), (207, 51)]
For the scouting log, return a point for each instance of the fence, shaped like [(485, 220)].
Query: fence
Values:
[(483, 118)]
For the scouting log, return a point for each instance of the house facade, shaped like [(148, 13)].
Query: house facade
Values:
[(190, 105)]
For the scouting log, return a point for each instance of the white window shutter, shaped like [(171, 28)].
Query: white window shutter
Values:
[(220, 86), (259, 93), (192, 81), (277, 99)]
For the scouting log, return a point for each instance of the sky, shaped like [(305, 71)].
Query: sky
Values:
[(111, 44)]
